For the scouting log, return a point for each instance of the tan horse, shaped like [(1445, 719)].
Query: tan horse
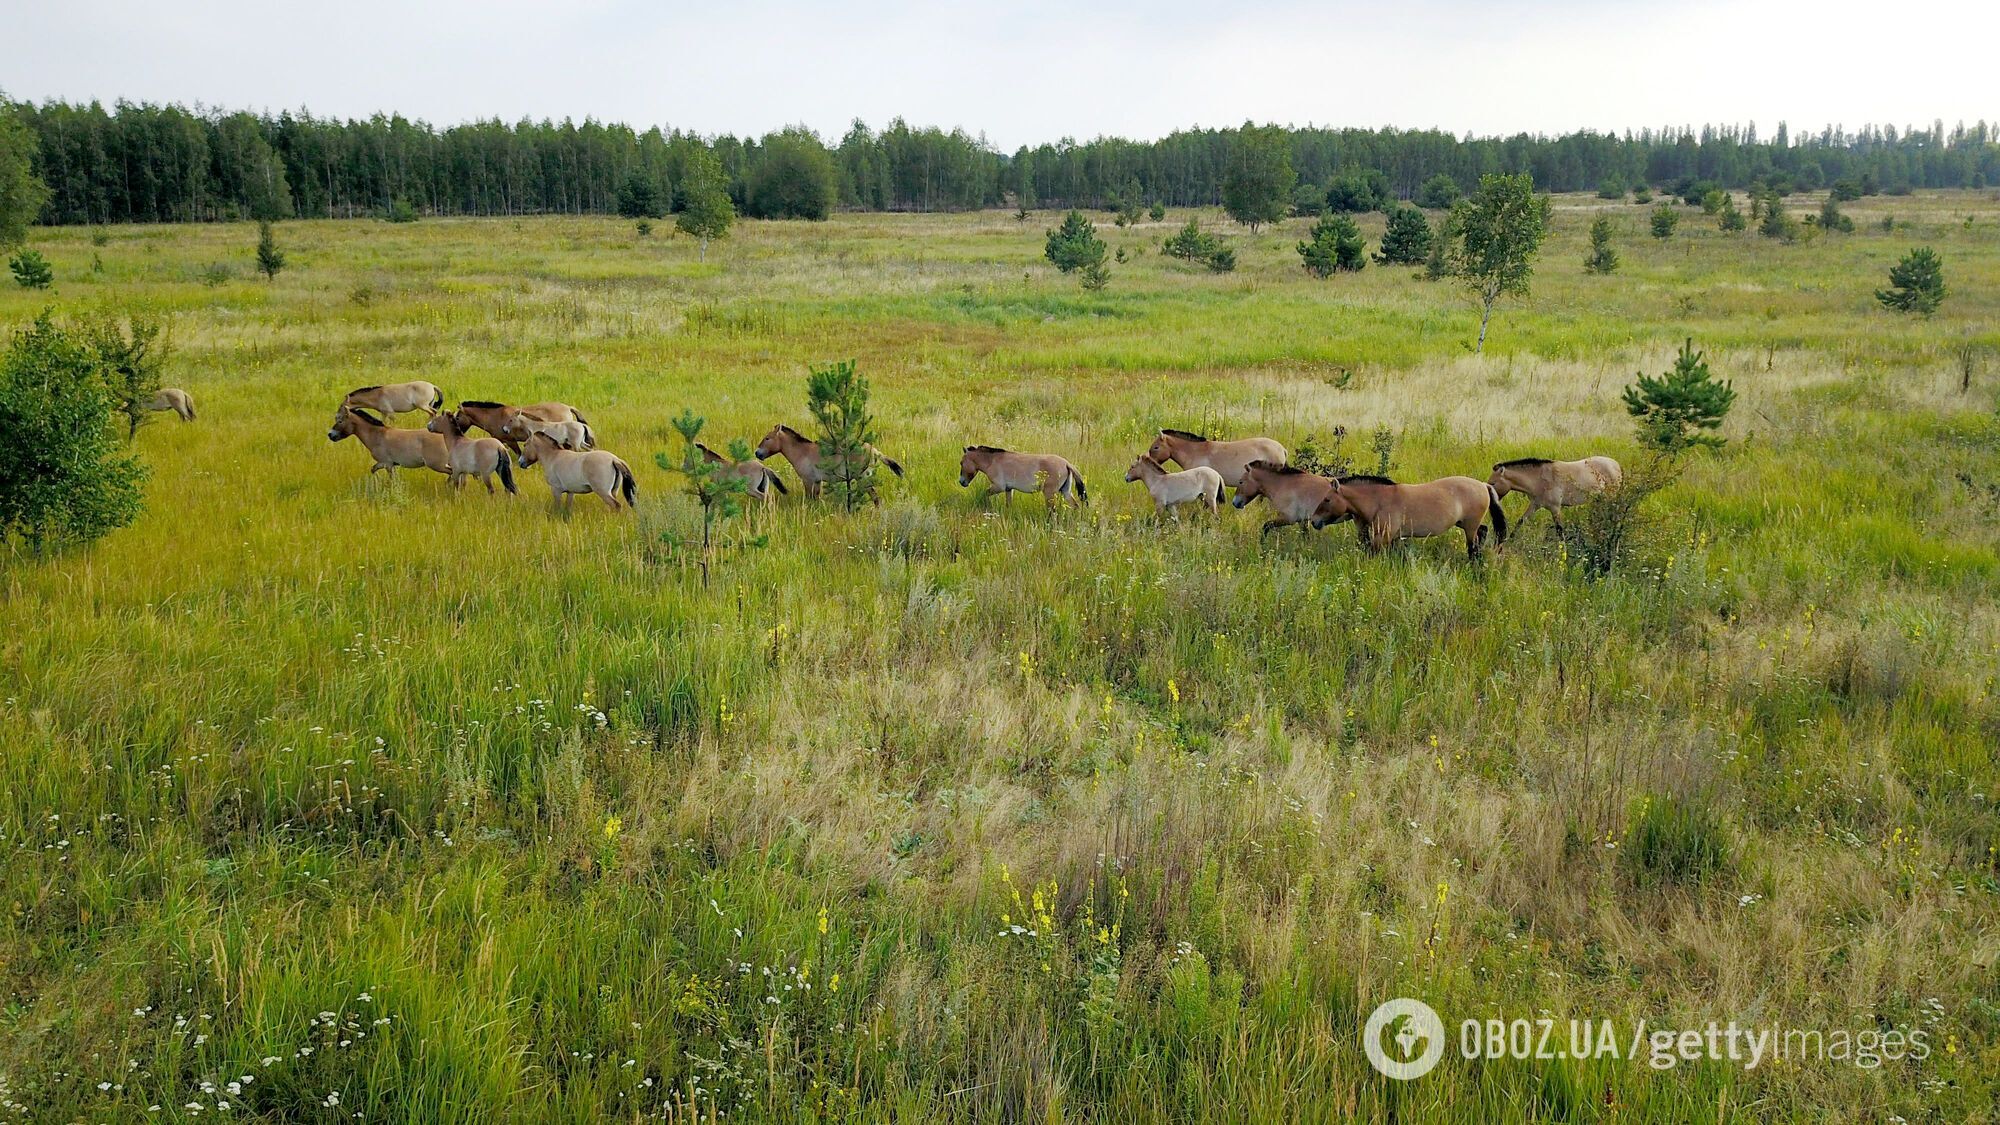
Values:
[(396, 398), (1293, 494), (1228, 458), (1200, 485), (803, 453), (174, 399), (570, 472), (569, 435), (1555, 485), (471, 456), (758, 481), (500, 420), (391, 447), (1008, 473), (1384, 511)]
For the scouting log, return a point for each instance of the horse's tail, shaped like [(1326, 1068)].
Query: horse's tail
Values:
[(894, 466), (187, 407), (627, 485), (1082, 493), (776, 481), (589, 435), (506, 467), (437, 397), (578, 415), (1219, 486), (1498, 513)]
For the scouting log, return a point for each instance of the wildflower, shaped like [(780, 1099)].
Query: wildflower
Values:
[(612, 826), (1174, 692), (833, 983), (822, 921)]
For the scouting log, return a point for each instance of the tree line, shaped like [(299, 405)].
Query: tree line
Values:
[(141, 162)]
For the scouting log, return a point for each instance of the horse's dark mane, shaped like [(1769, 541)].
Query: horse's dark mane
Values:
[(1184, 434), (711, 454), (1281, 470), (1522, 461), (483, 404), (365, 416), (984, 449), (793, 432), (364, 390), (1365, 478)]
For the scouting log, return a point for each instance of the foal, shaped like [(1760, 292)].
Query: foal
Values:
[(1294, 494), (391, 447), (569, 472), (569, 435), (803, 453), (1384, 511), (396, 398), (503, 421), (1008, 473), (174, 399), (1201, 485), (1228, 458), (758, 481), (470, 456), (1555, 485)]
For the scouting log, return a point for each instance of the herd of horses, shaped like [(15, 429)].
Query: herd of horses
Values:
[(557, 437)]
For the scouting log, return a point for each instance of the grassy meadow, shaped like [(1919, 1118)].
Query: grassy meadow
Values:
[(333, 799)]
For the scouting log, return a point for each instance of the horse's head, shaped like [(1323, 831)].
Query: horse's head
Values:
[(1333, 509), (446, 423), (773, 442), (343, 425), (1161, 450), (1502, 480), (968, 467), (1252, 484), (1143, 466), (534, 449)]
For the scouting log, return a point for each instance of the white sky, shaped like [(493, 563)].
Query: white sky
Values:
[(1030, 70)]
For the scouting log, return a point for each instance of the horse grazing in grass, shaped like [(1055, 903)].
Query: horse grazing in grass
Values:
[(569, 435), (1384, 511), (174, 399), (1008, 473), (396, 398), (570, 472), (1555, 485), (1293, 494), (391, 447), (803, 453), (504, 422), (1200, 485), (472, 457), (758, 481), (1228, 458)]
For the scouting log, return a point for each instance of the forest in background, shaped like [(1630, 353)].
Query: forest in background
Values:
[(141, 162)]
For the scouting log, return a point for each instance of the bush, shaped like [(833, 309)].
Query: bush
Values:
[(1830, 218), (1729, 218), (400, 211), (639, 197), (1356, 192), (1665, 219), (31, 270), (1602, 258), (1612, 530), (1642, 196), (1777, 224), (1157, 212), (1192, 244), (1308, 201), (1407, 241), (1916, 284), (1845, 191), (794, 177), (1712, 201), (1675, 409), (270, 259), (63, 477), (1438, 193), (1221, 260), (1678, 842), (1692, 192), (1074, 245), (1611, 189), (1335, 244), (130, 359)]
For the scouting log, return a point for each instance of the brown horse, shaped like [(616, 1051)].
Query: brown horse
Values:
[(396, 398), (391, 447), (174, 399), (1555, 485), (1294, 494), (570, 472), (500, 420), (472, 457), (758, 481), (1199, 485), (1008, 473), (803, 453), (1384, 511), (1228, 458)]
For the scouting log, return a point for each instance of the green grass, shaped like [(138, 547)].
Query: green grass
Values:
[(571, 820)]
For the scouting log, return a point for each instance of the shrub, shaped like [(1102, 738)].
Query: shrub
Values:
[(1777, 224), (1609, 532), (1308, 201), (1830, 218), (31, 270), (1613, 188), (1693, 192), (1712, 201), (1335, 244), (1845, 191), (1602, 258), (1438, 193), (400, 211), (1157, 212), (1729, 218), (639, 196), (130, 358), (1356, 192), (794, 177), (1665, 219), (1916, 284), (644, 227), (837, 396), (1097, 275), (270, 259), (1407, 240), (1074, 245), (1192, 244), (1642, 196), (1674, 410), (1221, 260), (1677, 841), (63, 477)]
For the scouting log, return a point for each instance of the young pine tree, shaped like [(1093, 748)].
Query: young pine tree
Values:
[(1730, 219), (31, 270), (837, 396), (1777, 223), (1916, 284), (1191, 244), (270, 259), (1335, 244), (1602, 259), (706, 209), (1676, 411), (1074, 245), (1665, 219), (719, 493), (1407, 240), (1832, 221)]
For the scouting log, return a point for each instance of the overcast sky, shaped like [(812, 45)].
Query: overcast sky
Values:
[(1028, 71)]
